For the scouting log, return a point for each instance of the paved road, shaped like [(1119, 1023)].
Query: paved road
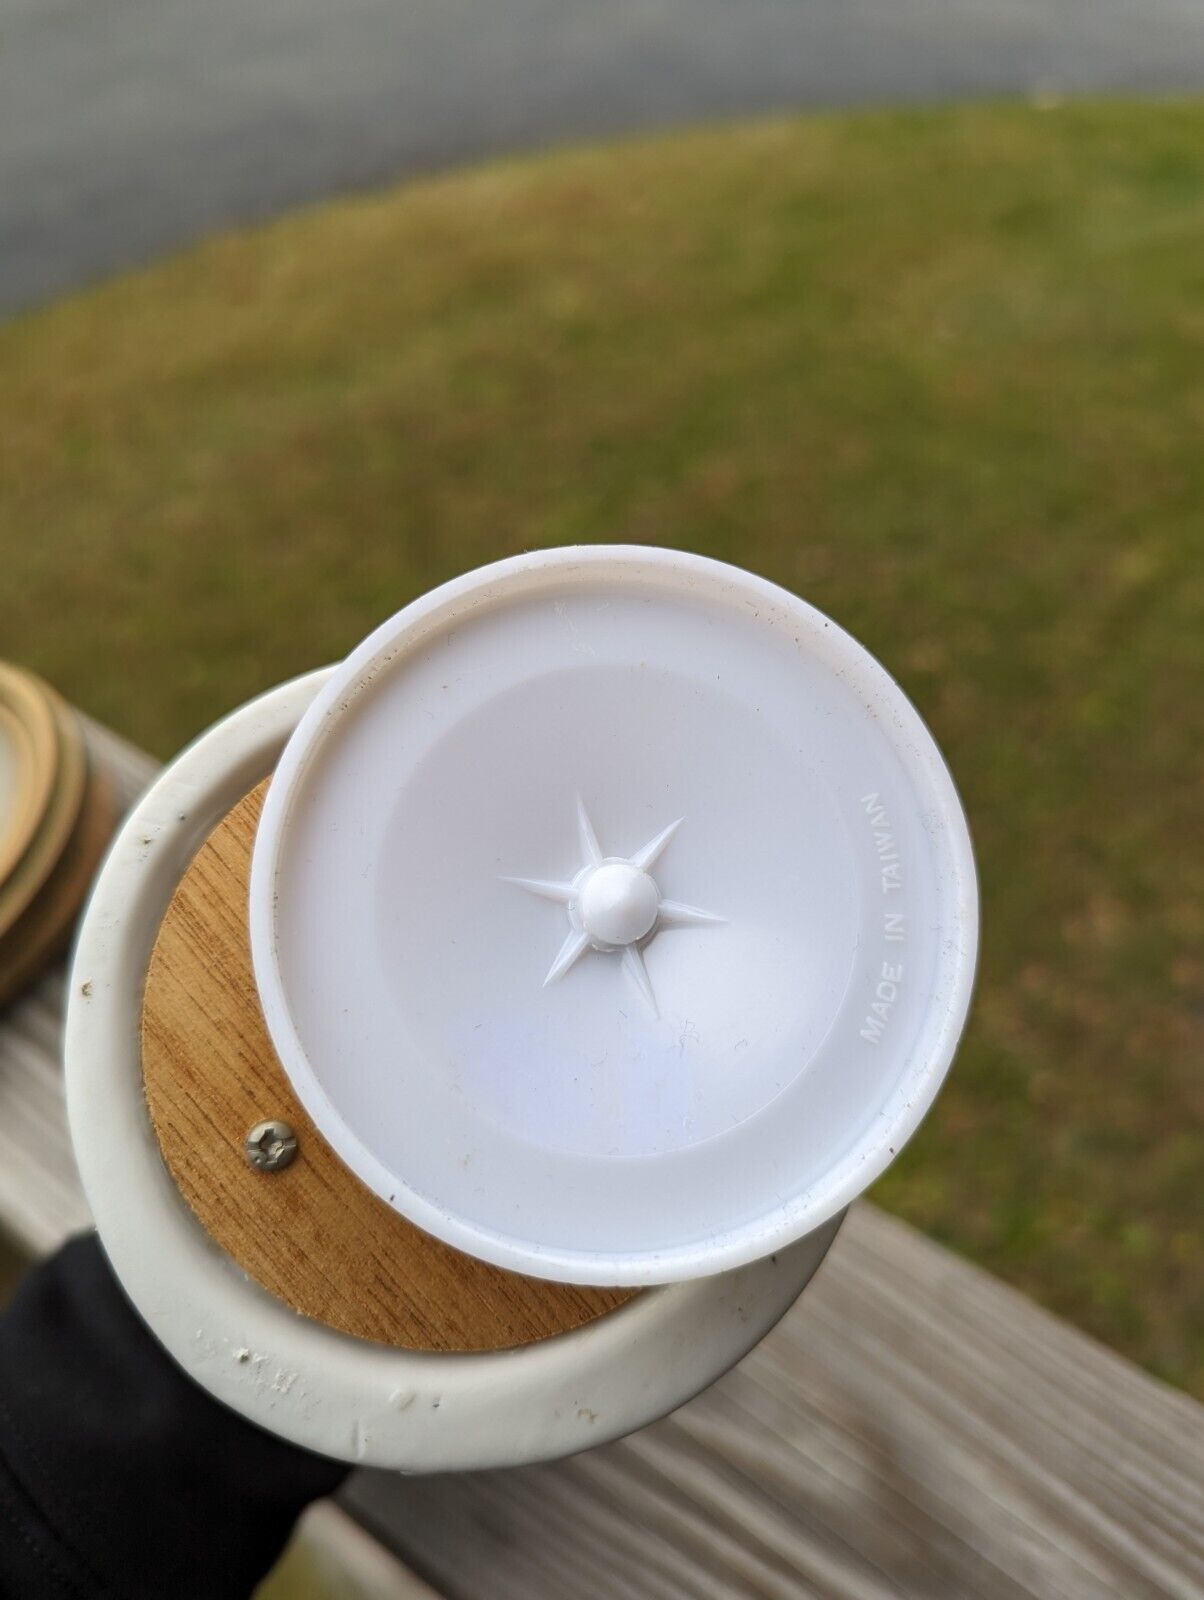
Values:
[(129, 126)]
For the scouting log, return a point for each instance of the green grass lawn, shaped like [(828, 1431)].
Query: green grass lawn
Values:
[(941, 372)]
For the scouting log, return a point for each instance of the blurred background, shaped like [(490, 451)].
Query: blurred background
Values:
[(897, 302)]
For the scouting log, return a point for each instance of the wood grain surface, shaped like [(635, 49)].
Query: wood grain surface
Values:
[(313, 1234), (28, 726), (60, 815)]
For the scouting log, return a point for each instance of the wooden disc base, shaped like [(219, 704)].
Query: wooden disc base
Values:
[(313, 1234)]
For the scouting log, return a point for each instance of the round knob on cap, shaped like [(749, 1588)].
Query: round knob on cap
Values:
[(618, 903)]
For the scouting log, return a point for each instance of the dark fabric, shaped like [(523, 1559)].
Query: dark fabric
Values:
[(119, 1477)]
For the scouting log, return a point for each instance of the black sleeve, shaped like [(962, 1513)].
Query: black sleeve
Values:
[(119, 1477)]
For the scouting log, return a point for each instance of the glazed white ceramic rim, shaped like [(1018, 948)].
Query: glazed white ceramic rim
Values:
[(430, 616), (326, 1391)]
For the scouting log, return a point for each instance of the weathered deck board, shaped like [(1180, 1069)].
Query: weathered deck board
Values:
[(912, 1429)]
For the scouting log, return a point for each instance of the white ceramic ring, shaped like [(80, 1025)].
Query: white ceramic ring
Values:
[(347, 1398)]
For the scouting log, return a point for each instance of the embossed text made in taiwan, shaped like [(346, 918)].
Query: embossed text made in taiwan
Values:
[(894, 926)]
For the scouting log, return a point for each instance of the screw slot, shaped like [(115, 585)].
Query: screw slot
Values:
[(270, 1146)]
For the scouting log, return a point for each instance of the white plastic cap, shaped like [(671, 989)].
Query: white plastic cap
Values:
[(613, 915)]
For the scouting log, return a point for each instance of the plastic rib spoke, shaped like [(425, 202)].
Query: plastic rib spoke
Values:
[(633, 963), (654, 849), (673, 914), (545, 888), (589, 839), (573, 948)]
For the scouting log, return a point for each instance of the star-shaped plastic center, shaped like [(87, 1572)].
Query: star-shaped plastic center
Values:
[(614, 905)]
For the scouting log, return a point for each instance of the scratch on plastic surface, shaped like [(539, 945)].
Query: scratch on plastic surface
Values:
[(579, 643)]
